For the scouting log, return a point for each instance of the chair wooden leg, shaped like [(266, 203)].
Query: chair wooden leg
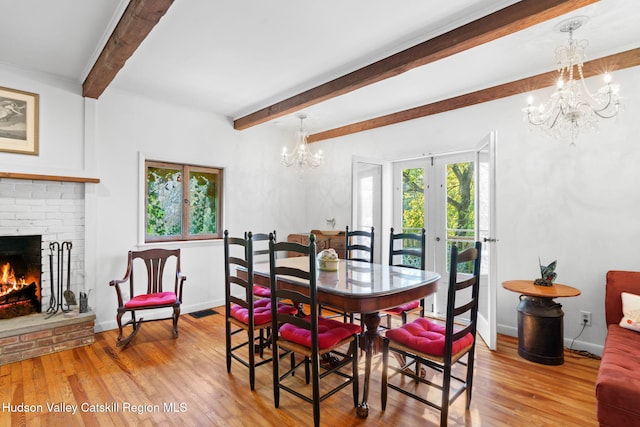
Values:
[(176, 316), (119, 321), (276, 371), (470, 358), (228, 344), (315, 372), (355, 348), (385, 372), (252, 359), (446, 386)]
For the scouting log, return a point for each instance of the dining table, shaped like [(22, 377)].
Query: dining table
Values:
[(358, 287)]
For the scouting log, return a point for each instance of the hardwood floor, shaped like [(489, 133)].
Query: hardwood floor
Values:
[(183, 382)]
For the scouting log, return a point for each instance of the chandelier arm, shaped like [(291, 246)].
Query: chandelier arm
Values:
[(607, 116)]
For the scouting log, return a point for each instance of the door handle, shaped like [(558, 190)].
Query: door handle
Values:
[(437, 239), (489, 239)]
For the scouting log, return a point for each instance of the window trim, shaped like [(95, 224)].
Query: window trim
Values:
[(144, 159)]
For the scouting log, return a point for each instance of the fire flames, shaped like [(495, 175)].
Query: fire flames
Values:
[(9, 281)]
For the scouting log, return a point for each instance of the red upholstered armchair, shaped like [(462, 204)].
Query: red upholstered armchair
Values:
[(618, 383), (149, 294)]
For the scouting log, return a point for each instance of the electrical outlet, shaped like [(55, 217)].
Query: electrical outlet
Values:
[(585, 318)]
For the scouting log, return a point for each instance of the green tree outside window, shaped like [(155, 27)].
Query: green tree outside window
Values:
[(179, 209)]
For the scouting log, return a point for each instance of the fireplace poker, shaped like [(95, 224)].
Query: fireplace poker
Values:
[(53, 300)]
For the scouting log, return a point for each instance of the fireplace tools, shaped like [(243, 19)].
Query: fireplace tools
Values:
[(59, 297)]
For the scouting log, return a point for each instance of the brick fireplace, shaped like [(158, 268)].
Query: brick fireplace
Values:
[(53, 210)]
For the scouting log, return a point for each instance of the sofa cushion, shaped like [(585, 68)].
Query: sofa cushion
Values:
[(618, 282), (619, 379), (631, 311)]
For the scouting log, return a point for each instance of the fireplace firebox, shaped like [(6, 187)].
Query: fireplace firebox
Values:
[(20, 275)]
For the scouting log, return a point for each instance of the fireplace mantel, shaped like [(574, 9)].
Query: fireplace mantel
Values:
[(38, 177)]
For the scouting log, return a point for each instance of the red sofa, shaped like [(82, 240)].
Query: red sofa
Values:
[(618, 383)]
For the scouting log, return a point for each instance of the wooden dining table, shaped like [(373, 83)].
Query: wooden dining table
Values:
[(359, 287)]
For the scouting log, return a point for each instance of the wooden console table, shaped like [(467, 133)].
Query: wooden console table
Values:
[(540, 320), (323, 241)]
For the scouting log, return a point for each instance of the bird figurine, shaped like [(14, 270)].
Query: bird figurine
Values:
[(548, 273)]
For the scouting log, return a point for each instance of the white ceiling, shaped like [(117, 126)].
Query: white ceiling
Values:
[(235, 57)]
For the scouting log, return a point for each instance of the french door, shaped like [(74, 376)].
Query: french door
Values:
[(449, 195)]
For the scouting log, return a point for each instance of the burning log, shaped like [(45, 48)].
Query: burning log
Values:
[(19, 302)]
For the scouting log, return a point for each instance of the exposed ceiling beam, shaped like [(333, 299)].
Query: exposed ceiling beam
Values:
[(627, 59), (511, 19), (136, 23)]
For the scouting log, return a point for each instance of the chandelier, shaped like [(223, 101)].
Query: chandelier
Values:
[(572, 108), (302, 156)]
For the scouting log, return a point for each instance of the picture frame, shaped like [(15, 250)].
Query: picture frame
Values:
[(19, 112)]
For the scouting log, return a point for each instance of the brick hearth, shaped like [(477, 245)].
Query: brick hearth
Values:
[(32, 336)]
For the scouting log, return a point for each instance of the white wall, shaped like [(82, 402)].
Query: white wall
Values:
[(574, 204), (258, 195)]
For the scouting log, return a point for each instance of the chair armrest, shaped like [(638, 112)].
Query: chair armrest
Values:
[(116, 283), (181, 278)]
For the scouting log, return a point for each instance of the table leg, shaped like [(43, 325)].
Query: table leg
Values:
[(370, 344)]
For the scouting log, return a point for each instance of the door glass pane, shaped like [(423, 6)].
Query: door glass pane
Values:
[(413, 206), (203, 212), (368, 204), (460, 179), (164, 202)]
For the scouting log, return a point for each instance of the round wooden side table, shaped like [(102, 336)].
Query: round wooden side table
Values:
[(540, 320)]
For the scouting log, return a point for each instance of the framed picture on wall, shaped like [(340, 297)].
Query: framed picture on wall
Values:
[(18, 121)]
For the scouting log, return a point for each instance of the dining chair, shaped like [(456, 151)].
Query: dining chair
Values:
[(243, 314), (425, 342), (261, 253), (406, 250), (310, 337), (150, 294), (359, 246)]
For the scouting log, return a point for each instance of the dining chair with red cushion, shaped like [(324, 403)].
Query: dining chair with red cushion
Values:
[(426, 342), (311, 337), (243, 313), (406, 250)]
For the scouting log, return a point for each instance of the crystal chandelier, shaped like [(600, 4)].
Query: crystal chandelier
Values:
[(572, 108), (302, 156)]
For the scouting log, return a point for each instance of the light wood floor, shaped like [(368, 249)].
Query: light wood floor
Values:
[(183, 382)]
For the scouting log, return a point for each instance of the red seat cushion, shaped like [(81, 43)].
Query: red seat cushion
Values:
[(261, 311), (426, 337), (261, 291), (151, 300), (330, 332), (404, 307)]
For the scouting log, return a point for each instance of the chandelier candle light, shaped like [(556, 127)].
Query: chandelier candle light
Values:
[(572, 108), (302, 156)]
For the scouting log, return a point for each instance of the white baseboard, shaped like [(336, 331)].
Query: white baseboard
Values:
[(110, 324), (577, 345)]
